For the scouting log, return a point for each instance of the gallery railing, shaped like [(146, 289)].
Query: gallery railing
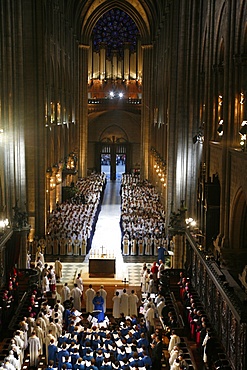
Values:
[(224, 301)]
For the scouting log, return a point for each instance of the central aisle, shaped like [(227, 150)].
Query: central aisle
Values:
[(107, 232)]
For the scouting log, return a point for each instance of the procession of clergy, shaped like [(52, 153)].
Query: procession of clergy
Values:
[(72, 223)]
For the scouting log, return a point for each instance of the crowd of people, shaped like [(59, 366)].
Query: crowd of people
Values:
[(67, 339), (9, 298), (142, 217), (47, 275), (129, 340), (71, 224), (201, 331)]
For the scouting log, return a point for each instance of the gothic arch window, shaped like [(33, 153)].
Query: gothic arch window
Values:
[(115, 28)]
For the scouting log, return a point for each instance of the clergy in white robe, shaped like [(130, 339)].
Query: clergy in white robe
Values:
[(79, 282), (116, 306), (133, 247), (34, 349), (65, 293), (76, 295), (58, 269), (55, 245), (40, 335), (140, 247), (48, 244), (13, 361), (89, 295), (83, 246), (76, 244), (20, 343), (148, 249), (124, 303), (174, 339), (133, 301), (126, 245), (45, 283), (47, 341), (69, 246)]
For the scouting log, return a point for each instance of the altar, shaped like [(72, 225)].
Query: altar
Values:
[(102, 267)]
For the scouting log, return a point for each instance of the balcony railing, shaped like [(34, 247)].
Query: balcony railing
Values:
[(114, 103)]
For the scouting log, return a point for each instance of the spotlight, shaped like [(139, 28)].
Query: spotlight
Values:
[(243, 129), (120, 95), (242, 98), (220, 129), (111, 94)]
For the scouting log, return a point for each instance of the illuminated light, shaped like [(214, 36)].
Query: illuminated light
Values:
[(155, 166), (220, 130), (243, 129), (120, 95), (189, 220), (164, 185), (111, 94), (220, 100), (221, 133), (242, 98), (1, 130), (193, 223), (52, 183)]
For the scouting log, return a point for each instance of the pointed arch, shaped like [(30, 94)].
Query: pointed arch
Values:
[(238, 229)]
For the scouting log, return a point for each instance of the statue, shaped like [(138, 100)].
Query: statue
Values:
[(244, 274), (28, 261), (177, 220), (243, 277), (20, 217)]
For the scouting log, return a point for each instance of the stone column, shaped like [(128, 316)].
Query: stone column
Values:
[(139, 60), (83, 110), (3, 241), (179, 251), (22, 238), (146, 110)]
